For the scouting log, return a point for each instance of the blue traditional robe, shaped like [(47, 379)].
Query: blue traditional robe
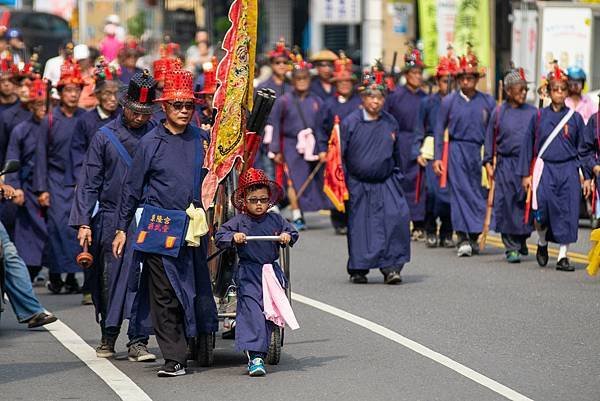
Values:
[(162, 175), (559, 191), (334, 106), (87, 126), (9, 119), (437, 199), (30, 227), (317, 89), (466, 121), (509, 126), (592, 142), (51, 171), (252, 330), (101, 180), (286, 122), (280, 90), (404, 105), (378, 215)]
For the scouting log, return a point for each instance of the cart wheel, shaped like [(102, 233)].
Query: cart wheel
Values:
[(192, 350), (205, 344), (274, 353)]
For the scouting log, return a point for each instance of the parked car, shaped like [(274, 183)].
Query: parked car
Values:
[(46, 31)]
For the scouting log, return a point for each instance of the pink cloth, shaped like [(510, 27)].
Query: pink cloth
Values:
[(306, 145), (109, 47), (538, 168), (586, 107), (276, 306)]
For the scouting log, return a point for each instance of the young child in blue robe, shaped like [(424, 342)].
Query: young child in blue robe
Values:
[(255, 195)]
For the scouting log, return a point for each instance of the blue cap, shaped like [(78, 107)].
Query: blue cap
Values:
[(13, 33), (576, 73)]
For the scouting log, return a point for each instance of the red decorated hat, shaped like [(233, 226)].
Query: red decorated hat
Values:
[(105, 71), (7, 68), (255, 177), (164, 64), (70, 73), (179, 85), (38, 90), (210, 77), (342, 69), (279, 50), (469, 64), (298, 62), (372, 79), (31, 68), (557, 74), (413, 58), (447, 65)]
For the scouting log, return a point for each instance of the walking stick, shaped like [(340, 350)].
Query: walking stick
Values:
[(291, 192), (492, 179), (418, 185), (309, 179)]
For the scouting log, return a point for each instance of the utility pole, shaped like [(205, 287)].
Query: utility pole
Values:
[(372, 31)]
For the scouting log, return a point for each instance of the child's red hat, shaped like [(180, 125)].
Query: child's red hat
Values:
[(255, 177)]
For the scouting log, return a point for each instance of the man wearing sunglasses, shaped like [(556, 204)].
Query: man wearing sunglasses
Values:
[(165, 175), (437, 202), (556, 142), (506, 131), (100, 182), (321, 86), (464, 114)]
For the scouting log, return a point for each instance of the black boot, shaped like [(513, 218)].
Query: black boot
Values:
[(542, 255), (564, 265)]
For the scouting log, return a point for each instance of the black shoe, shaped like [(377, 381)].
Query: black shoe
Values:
[(475, 247), (564, 265), (171, 369), (393, 278), (447, 242), (542, 255), (72, 287), (431, 241), (524, 250), (358, 278), (55, 286), (40, 319), (341, 231)]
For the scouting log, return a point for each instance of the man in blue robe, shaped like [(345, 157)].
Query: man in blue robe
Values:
[(101, 181), (404, 104), (166, 174), (30, 232), (279, 62), (345, 101), (437, 201), (52, 172), (557, 144), (321, 85), (295, 119), (378, 215), (506, 131), (465, 114)]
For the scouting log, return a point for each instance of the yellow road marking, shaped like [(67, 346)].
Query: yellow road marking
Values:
[(573, 256)]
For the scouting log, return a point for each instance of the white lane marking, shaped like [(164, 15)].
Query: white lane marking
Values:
[(118, 381), (414, 346)]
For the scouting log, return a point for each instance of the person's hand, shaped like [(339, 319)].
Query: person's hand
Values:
[(421, 161), (278, 158), (19, 198), (596, 170), (285, 238), (322, 157), (587, 188), (8, 192), (239, 238), (84, 234), (490, 170), (44, 199), (438, 167), (119, 243), (206, 127), (526, 184)]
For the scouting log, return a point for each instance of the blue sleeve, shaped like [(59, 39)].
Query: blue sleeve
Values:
[(526, 153), (134, 186), (225, 233), (4, 141), (79, 146), (440, 126), (490, 136), (89, 184), (275, 121), (324, 127), (585, 147), (13, 152), (420, 129), (40, 172), (287, 227)]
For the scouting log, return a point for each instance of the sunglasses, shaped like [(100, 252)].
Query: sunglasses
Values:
[(182, 105), (263, 200), (558, 88)]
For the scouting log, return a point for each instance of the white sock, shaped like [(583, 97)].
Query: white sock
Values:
[(562, 251), (296, 214), (542, 237)]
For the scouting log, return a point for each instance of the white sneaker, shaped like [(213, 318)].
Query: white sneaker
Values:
[(465, 250)]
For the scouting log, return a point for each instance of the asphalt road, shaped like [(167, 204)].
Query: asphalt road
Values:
[(532, 331)]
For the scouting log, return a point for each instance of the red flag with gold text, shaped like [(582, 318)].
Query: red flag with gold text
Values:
[(335, 182)]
